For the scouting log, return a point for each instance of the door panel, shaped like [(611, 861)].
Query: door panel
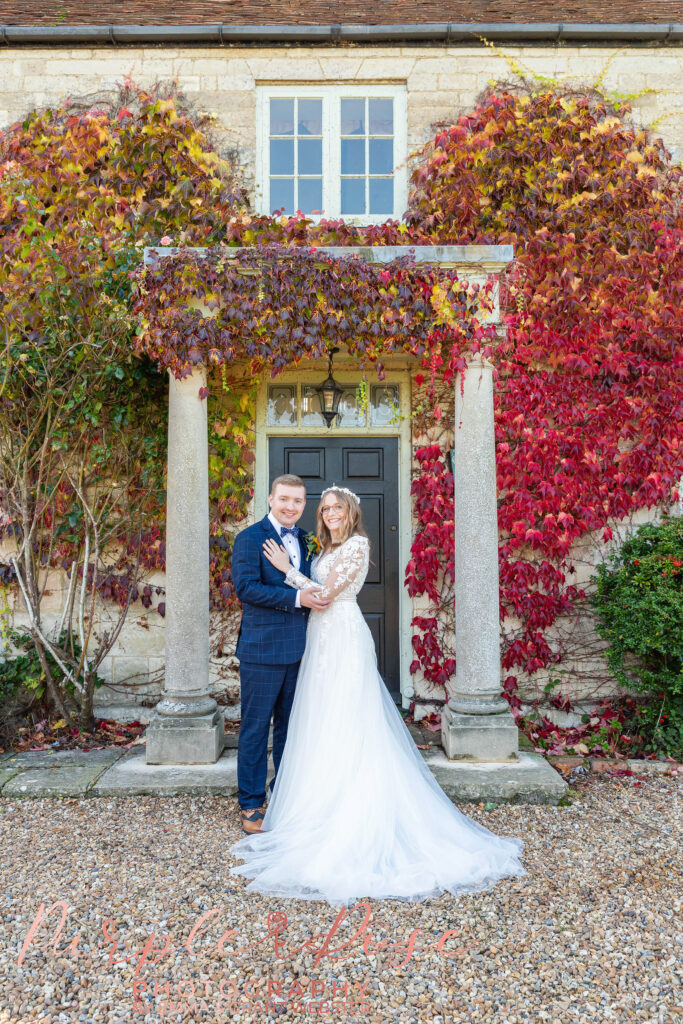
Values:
[(368, 464), (309, 463), (369, 467)]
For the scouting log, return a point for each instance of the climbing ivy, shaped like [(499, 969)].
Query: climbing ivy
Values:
[(589, 382), (590, 389)]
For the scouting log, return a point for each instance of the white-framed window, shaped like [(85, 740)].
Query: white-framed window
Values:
[(332, 151)]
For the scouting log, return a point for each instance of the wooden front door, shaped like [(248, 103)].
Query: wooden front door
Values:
[(369, 467)]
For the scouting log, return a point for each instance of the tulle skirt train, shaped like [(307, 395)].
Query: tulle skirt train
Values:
[(355, 812)]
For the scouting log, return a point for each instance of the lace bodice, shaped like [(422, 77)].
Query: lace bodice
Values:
[(341, 572)]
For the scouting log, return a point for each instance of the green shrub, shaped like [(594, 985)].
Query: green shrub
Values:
[(23, 669), (639, 602)]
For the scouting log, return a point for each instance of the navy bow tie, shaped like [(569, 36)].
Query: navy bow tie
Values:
[(294, 530)]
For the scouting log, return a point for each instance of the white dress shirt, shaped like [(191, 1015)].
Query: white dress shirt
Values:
[(291, 543)]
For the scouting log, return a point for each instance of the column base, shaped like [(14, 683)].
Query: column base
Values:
[(479, 737), (183, 740)]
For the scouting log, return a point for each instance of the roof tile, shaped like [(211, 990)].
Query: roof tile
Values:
[(322, 12)]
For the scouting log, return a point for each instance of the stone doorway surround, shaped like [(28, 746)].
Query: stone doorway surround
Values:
[(348, 373), (478, 729)]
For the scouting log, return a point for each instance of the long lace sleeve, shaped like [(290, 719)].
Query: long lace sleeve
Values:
[(296, 579), (349, 565)]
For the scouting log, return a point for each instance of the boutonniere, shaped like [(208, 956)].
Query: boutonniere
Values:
[(312, 544)]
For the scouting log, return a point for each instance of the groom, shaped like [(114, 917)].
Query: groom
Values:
[(271, 640)]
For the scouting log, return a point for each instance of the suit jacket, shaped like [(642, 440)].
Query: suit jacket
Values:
[(273, 630)]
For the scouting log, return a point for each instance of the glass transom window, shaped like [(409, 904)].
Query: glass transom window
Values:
[(332, 151), (299, 405)]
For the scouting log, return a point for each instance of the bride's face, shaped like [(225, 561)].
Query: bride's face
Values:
[(334, 514)]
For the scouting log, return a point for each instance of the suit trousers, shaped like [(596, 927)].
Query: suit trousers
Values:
[(267, 690)]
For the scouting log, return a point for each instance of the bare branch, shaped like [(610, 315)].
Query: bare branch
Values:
[(35, 627), (72, 577)]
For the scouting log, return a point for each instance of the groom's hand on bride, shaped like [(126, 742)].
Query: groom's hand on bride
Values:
[(311, 599)]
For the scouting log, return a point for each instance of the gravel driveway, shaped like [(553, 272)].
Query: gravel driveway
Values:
[(592, 933)]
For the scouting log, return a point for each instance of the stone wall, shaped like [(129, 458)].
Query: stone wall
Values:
[(582, 673), (441, 81), (135, 667)]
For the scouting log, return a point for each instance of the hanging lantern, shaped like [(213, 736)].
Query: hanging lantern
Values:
[(329, 393)]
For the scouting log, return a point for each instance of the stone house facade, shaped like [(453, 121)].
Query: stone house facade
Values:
[(322, 108)]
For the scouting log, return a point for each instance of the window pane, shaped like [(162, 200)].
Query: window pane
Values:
[(310, 195), (353, 195), (282, 117), (381, 117), (310, 407), (282, 405), (310, 156), (353, 156), (282, 156), (381, 195), (383, 402), (349, 413), (381, 156), (282, 194), (310, 117), (353, 117)]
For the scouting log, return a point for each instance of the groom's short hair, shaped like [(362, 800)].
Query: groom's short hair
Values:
[(289, 480)]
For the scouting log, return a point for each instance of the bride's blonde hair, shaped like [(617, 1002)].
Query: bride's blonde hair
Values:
[(353, 524)]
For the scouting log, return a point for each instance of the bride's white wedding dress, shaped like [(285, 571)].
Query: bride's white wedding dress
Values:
[(355, 812)]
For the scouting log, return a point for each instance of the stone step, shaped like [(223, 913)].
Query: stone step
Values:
[(531, 779)]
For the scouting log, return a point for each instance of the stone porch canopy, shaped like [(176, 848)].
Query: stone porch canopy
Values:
[(187, 726)]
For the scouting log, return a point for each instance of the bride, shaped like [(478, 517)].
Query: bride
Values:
[(355, 812)]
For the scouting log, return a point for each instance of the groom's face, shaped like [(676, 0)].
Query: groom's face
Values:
[(287, 504)]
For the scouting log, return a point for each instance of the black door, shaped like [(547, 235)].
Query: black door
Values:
[(369, 467)]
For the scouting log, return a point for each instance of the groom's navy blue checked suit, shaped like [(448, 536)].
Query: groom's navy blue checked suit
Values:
[(270, 646)]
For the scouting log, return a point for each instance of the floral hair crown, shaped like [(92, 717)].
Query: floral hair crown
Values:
[(344, 490)]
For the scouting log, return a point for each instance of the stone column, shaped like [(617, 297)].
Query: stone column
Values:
[(187, 726), (477, 724)]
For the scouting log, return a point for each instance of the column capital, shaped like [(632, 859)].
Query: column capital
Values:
[(197, 375), (478, 362)]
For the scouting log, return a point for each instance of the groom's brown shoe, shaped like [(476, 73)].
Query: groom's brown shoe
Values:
[(251, 819)]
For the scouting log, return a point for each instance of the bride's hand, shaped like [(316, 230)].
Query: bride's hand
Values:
[(277, 555)]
